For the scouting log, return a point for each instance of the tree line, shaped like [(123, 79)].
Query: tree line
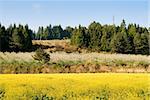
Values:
[(55, 32), (131, 39), (15, 38), (19, 38)]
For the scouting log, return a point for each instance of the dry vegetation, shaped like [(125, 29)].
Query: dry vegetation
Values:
[(62, 61), (51, 42), (78, 62), (58, 46), (62, 56)]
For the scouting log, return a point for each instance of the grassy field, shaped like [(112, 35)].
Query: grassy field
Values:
[(74, 56), (75, 87), (62, 62), (67, 59), (62, 56)]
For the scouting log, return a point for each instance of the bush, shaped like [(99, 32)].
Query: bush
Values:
[(41, 55)]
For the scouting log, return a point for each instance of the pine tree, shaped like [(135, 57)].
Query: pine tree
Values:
[(41, 56), (121, 41), (40, 33), (112, 39), (46, 33), (27, 38), (138, 43), (104, 43), (73, 37), (131, 34), (113, 44), (50, 35), (95, 33), (57, 32), (131, 30), (0, 38), (68, 32), (80, 37), (18, 39), (105, 40), (4, 39), (82, 40), (145, 43), (141, 43)]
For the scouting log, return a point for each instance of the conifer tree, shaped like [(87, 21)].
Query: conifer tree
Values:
[(95, 34), (27, 38), (4, 44), (138, 43), (105, 40), (73, 37)]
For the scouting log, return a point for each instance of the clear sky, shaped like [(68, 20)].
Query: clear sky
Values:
[(72, 13)]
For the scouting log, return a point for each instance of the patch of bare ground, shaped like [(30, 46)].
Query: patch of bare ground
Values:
[(91, 68), (57, 45)]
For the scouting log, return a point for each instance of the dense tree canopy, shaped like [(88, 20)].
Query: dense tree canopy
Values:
[(15, 38), (20, 38), (55, 32), (131, 39)]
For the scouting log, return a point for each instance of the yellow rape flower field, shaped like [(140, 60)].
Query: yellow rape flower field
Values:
[(102, 86)]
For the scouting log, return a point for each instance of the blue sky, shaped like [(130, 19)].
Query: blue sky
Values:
[(72, 13)]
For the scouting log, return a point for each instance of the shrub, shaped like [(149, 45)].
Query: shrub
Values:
[(41, 55)]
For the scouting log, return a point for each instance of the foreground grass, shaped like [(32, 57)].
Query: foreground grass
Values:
[(75, 87)]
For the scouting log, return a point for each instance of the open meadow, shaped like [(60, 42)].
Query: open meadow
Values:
[(104, 86)]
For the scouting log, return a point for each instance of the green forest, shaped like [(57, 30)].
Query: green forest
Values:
[(126, 39)]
